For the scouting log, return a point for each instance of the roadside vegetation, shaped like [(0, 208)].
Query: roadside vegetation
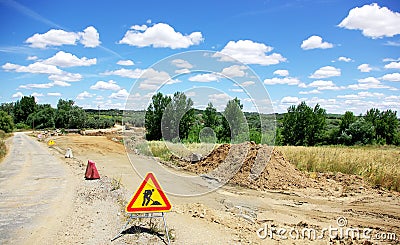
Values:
[(3, 148)]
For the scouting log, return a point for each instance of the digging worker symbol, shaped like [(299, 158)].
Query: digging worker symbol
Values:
[(147, 198)]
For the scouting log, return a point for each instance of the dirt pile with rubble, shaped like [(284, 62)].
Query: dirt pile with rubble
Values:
[(251, 165)]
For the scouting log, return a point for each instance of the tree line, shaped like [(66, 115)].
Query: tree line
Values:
[(27, 114)]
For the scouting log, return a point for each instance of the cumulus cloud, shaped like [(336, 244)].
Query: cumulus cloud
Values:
[(361, 95), (247, 83), (90, 38), (283, 73), (367, 83), (284, 80), (180, 63), (207, 77), (152, 79), (125, 63), (393, 77), (84, 95), (234, 71), (315, 42), (249, 52), (325, 72), (314, 91), (344, 59), (374, 21), (160, 35), (32, 58), (66, 77), (125, 73), (110, 85), (63, 59), (364, 68), (54, 37), (289, 100), (324, 85), (36, 68), (36, 85), (17, 95), (393, 65), (120, 95)]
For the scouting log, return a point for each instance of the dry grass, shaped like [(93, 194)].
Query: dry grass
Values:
[(379, 165), (164, 150)]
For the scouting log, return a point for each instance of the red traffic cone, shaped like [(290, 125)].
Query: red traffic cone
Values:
[(91, 171)]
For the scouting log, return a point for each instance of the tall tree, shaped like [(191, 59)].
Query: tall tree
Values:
[(303, 125), (234, 124), (210, 117), (154, 114), (360, 132), (23, 108), (347, 119), (178, 117), (385, 124), (43, 118), (69, 115)]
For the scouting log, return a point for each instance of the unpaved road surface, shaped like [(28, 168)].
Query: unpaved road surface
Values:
[(33, 191)]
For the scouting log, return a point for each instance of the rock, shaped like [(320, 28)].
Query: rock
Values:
[(195, 157)]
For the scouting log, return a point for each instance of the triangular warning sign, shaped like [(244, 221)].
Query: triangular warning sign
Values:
[(149, 197)]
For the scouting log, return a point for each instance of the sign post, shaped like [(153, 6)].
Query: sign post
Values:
[(148, 199)]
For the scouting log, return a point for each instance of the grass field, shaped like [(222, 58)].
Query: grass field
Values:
[(379, 165)]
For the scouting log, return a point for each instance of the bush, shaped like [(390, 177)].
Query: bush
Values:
[(6, 122)]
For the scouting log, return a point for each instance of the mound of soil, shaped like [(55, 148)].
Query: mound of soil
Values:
[(251, 165)]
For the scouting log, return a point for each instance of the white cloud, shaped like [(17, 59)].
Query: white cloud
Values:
[(367, 83), (110, 85), (250, 52), (219, 100), (66, 76), (374, 21), (364, 68), (323, 85), (35, 94), (17, 95), (393, 77), (63, 59), (390, 59), (152, 79), (52, 38), (393, 65), (314, 91), (61, 83), (36, 68), (160, 35), (325, 72), (180, 63), (90, 37), (345, 59), (284, 80), (361, 95), (120, 95), (36, 85), (207, 77), (314, 42), (236, 90), (125, 73), (54, 94), (392, 43), (290, 100), (139, 28), (84, 95), (234, 71), (125, 63), (283, 73), (32, 58)]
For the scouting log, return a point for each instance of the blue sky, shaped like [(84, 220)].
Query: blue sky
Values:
[(344, 55)]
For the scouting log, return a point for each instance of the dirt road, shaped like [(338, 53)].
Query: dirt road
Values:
[(33, 192)]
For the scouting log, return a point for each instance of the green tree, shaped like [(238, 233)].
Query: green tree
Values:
[(347, 119), (234, 124), (210, 117), (360, 132), (154, 114), (43, 118), (303, 125), (69, 115), (178, 117), (6, 122), (385, 124), (23, 108)]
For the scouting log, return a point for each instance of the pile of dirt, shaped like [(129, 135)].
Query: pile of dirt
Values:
[(250, 165)]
